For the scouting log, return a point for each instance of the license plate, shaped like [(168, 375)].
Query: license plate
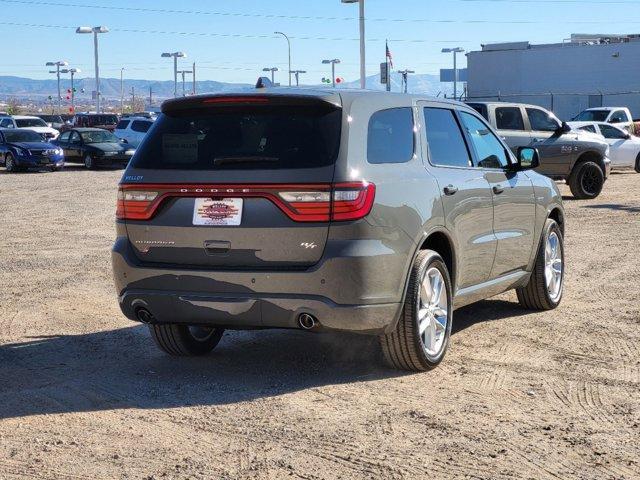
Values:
[(210, 211), (44, 161)]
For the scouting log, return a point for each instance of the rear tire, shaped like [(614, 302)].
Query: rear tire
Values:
[(185, 340), (541, 293), (586, 180), (637, 166), (406, 347)]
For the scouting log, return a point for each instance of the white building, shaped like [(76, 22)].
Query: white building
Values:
[(583, 71)]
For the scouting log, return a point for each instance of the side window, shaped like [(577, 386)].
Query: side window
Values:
[(64, 137), (446, 142), (588, 128), (619, 116), (489, 151), (509, 118), (541, 121), (390, 138), (611, 132), (140, 126), (6, 123), (75, 137), (122, 124), (481, 108)]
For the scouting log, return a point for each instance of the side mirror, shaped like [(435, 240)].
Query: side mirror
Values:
[(124, 140), (528, 158), (564, 127)]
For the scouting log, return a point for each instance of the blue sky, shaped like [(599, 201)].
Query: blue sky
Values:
[(41, 31)]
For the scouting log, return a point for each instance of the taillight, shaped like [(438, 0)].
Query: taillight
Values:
[(301, 203)]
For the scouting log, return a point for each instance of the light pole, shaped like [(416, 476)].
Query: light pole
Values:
[(72, 72), (405, 75), (455, 51), (273, 70), (289, 46), (58, 64), (363, 73), (183, 72), (121, 92), (175, 56), (297, 74), (333, 69), (95, 31)]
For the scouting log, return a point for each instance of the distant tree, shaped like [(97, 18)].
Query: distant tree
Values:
[(13, 106)]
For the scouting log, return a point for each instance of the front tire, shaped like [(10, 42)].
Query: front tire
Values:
[(185, 340), (89, 162), (10, 163), (546, 284), (586, 180), (421, 337), (637, 166)]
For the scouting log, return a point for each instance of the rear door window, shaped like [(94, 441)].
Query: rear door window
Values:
[(141, 126), (446, 144), (509, 118), (122, 124), (243, 137), (390, 137)]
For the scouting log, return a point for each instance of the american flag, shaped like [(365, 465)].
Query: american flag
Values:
[(389, 56)]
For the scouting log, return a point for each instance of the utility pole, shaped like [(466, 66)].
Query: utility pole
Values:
[(150, 96), (133, 99), (183, 72), (121, 92), (273, 71), (455, 68), (297, 75), (405, 79), (193, 69)]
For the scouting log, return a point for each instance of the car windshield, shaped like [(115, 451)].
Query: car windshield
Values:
[(99, 136), (593, 116), (30, 122), (21, 136)]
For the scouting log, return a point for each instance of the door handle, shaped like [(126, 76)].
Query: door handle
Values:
[(498, 189), (450, 190)]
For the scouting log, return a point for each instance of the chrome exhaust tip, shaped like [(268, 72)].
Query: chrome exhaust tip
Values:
[(307, 321)]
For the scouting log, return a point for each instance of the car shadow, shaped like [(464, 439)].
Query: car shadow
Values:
[(615, 206), (486, 311), (123, 369)]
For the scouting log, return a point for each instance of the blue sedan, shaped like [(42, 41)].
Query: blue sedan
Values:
[(24, 149)]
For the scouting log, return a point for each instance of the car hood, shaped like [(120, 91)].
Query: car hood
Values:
[(34, 145), (108, 147), (41, 129)]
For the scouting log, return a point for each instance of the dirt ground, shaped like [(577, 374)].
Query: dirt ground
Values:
[(85, 394)]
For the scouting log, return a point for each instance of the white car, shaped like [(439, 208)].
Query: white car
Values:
[(624, 148), (621, 116), (133, 129), (29, 123)]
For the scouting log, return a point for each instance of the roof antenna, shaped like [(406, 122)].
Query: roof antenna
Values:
[(264, 82)]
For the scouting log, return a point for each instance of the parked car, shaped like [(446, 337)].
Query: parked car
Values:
[(29, 122), (368, 212), (21, 149), (53, 121), (94, 147), (133, 129), (624, 148), (621, 116), (105, 121), (582, 160)]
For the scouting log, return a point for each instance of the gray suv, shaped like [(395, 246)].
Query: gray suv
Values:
[(375, 213), (579, 158)]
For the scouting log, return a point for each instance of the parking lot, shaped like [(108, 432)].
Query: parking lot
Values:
[(85, 394)]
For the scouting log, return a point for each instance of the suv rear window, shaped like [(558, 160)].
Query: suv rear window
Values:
[(244, 137)]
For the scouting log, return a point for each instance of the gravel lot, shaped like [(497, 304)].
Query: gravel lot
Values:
[(85, 394)]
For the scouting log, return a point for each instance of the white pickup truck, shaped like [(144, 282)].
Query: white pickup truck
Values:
[(620, 116)]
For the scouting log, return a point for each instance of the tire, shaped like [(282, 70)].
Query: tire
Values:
[(10, 163), (586, 180), (537, 294), (89, 162), (405, 348), (637, 166), (184, 340)]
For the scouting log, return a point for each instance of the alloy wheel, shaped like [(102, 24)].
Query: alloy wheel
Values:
[(553, 271), (433, 312)]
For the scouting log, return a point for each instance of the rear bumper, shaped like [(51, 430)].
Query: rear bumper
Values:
[(337, 292)]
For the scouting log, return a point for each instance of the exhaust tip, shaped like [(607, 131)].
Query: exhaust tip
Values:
[(145, 316), (307, 321)]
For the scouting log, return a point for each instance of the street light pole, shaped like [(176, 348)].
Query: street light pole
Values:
[(175, 56), (289, 47), (58, 64), (183, 72), (297, 74), (455, 51), (333, 69), (95, 31), (273, 70), (405, 78), (363, 72), (121, 92)]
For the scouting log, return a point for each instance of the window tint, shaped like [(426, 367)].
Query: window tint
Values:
[(446, 143), (509, 118), (390, 138), (541, 121), (64, 137), (481, 108), (489, 151), (122, 124), (611, 132), (75, 137), (619, 116), (6, 123), (242, 138), (588, 128), (140, 126)]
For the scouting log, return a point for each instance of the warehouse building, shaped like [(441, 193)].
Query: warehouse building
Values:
[(581, 72)]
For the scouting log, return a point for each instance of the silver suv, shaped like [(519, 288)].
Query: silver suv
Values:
[(375, 213)]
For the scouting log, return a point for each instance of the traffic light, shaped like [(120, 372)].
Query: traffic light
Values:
[(339, 80), (326, 80)]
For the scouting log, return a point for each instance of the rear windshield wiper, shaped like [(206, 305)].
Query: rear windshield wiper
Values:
[(243, 159)]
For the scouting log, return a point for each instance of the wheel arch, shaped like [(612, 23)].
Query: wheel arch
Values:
[(591, 156), (557, 214)]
